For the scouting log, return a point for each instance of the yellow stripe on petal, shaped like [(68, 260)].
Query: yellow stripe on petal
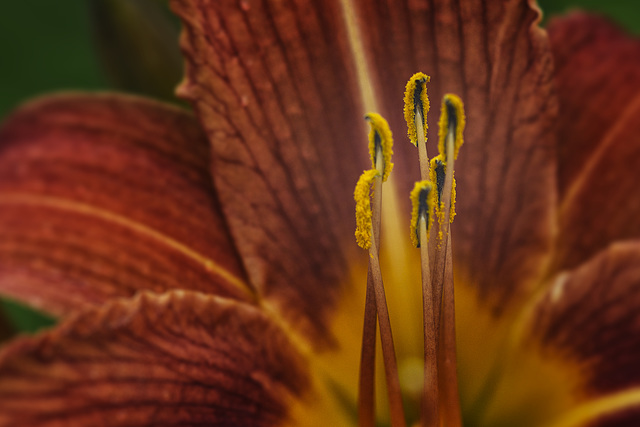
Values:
[(600, 409)]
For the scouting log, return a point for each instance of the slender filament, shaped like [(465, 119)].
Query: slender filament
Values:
[(388, 352), (430, 397)]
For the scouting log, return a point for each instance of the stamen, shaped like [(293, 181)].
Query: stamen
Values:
[(447, 357), (380, 141), (380, 148), (416, 107), (364, 214), (422, 199), (452, 122), (422, 206), (440, 400), (388, 350), (437, 175), (366, 392), (416, 101)]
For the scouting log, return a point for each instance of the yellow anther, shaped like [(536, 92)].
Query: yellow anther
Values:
[(452, 120), (416, 100), (362, 196), (422, 206), (380, 140), (437, 173)]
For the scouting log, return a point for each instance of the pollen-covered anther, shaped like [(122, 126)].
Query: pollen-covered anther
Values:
[(422, 207), (451, 125), (380, 144), (416, 101), (437, 172), (364, 215), (437, 175)]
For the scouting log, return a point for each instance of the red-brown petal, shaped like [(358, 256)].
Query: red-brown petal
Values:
[(181, 358), (272, 84), (591, 316), (493, 55), (628, 417), (598, 81), (275, 85), (597, 77), (579, 345), (105, 195)]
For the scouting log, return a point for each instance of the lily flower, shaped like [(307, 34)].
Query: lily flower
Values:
[(203, 264)]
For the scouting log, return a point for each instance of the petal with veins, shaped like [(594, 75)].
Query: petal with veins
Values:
[(104, 195), (272, 84), (598, 81), (181, 358), (574, 356)]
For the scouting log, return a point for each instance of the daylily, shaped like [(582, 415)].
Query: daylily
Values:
[(204, 266)]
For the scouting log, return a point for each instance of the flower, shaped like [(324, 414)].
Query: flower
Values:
[(238, 300)]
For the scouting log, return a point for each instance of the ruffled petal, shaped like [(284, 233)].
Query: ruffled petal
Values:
[(105, 195), (598, 81), (181, 358)]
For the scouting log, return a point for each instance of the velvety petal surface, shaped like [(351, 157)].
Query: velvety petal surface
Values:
[(598, 81), (273, 84), (181, 358), (577, 350), (105, 195)]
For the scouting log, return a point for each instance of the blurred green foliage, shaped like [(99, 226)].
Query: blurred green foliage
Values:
[(45, 46), (48, 46), (22, 318), (625, 12)]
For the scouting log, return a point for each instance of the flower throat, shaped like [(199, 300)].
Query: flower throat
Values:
[(432, 197)]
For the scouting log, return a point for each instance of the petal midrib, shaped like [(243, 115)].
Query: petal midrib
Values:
[(59, 203), (361, 63)]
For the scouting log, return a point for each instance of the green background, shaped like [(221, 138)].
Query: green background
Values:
[(48, 46)]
